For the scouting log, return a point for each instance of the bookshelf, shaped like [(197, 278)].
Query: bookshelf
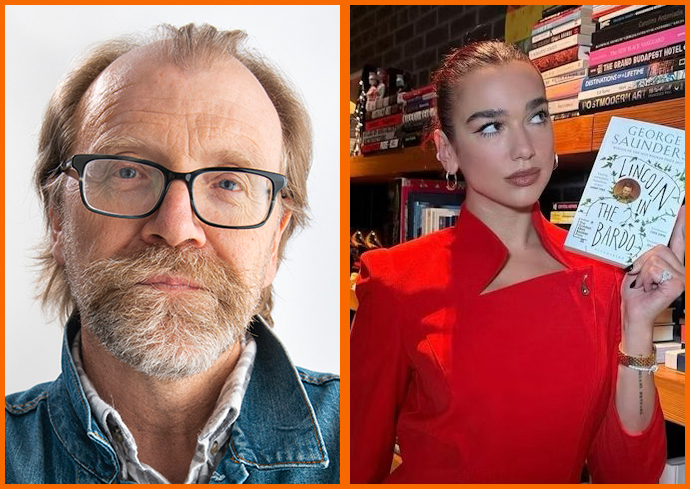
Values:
[(576, 141)]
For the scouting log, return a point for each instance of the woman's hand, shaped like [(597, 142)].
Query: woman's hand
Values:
[(656, 279)]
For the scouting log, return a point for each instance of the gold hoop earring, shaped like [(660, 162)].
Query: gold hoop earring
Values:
[(451, 185), (555, 161)]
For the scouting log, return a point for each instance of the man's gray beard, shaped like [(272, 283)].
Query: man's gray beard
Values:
[(163, 335)]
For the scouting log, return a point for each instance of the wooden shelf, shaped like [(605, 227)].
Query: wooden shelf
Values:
[(575, 139), (671, 386)]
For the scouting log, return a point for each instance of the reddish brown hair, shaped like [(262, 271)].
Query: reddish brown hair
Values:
[(460, 63)]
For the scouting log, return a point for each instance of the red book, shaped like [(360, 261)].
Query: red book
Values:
[(391, 120)]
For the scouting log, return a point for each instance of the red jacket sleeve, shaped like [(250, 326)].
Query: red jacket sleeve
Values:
[(617, 456), (379, 371)]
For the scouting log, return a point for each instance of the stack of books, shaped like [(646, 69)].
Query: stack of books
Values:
[(383, 124), (637, 56), (560, 50), (419, 106), (563, 213)]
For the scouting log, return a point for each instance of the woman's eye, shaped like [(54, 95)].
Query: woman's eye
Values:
[(539, 117), (490, 129), (127, 173)]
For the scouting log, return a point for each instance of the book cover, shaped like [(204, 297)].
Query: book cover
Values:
[(633, 193)]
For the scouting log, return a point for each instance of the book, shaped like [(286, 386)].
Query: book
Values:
[(630, 74), (638, 46), (632, 85), (565, 90), (561, 217), (417, 194), (587, 28), (653, 93), (669, 52), (565, 115), (662, 347), (566, 68), (583, 12), (672, 358), (633, 193), (655, 21), (662, 332), (564, 206), (674, 471), (625, 14), (560, 58), (557, 80), (560, 106), (389, 120), (381, 146), (574, 40)]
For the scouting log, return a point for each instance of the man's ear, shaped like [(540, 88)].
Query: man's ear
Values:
[(56, 236), (273, 266), (445, 153)]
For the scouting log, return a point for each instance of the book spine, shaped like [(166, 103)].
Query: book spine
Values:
[(383, 112), (565, 69), (616, 77), (564, 206), (584, 13), (647, 24), (607, 10), (554, 10), (419, 115), (622, 16), (564, 90), (556, 37), (674, 51), (638, 46), (632, 85), (561, 57), (556, 80), (420, 98), (560, 106), (390, 120), (381, 102), (414, 126), (575, 40), (422, 104), (419, 91), (552, 32), (565, 115), (375, 137), (653, 93), (381, 146)]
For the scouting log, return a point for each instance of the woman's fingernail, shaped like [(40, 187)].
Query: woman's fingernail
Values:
[(629, 268), (632, 285)]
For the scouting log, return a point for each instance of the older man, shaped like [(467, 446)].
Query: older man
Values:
[(173, 172)]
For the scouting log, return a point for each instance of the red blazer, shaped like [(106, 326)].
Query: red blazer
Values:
[(512, 386)]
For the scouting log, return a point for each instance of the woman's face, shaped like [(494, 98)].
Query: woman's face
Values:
[(503, 142)]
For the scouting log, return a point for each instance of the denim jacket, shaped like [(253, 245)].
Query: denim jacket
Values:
[(288, 430)]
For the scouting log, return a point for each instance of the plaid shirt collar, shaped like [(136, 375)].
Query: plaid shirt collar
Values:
[(212, 442)]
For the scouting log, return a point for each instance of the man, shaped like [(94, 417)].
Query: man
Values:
[(172, 172)]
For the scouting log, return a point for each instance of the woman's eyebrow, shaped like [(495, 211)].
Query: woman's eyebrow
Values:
[(486, 114), (533, 104)]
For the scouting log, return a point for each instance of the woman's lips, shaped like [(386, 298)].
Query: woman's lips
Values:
[(524, 178)]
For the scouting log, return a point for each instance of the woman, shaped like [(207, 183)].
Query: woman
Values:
[(488, 351)]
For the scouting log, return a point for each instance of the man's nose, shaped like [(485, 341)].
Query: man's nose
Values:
[(174, 222)]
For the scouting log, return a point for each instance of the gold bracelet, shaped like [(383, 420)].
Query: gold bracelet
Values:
[(644, 364)]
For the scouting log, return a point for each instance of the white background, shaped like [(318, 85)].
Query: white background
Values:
[(40, 43)]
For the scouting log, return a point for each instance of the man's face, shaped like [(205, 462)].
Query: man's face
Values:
[(184, 120)]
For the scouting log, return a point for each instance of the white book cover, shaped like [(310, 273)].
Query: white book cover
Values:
[(633, 193)]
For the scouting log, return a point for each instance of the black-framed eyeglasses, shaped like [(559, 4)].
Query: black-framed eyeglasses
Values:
[(132, 188)]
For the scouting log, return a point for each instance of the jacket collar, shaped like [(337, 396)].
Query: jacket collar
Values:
[(480, 254), (277, 426)]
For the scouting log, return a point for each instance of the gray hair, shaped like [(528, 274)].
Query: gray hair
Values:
[(186, 47)]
